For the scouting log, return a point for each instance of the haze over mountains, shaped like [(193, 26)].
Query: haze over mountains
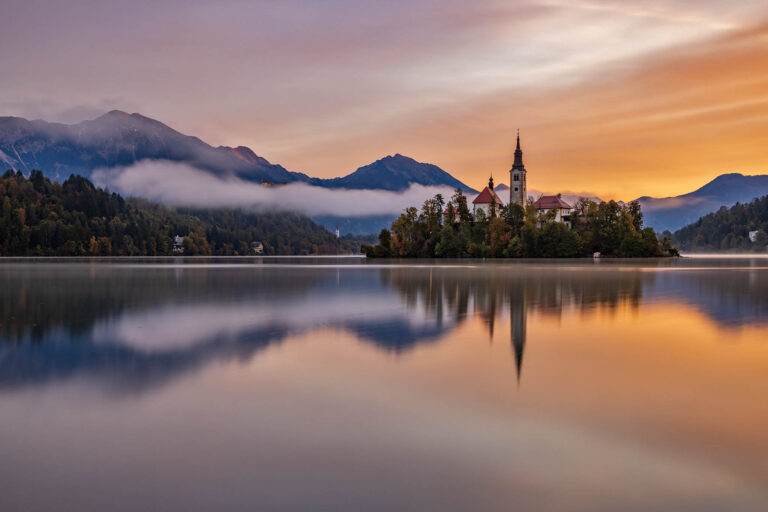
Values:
[(119, 140), (672, 213)]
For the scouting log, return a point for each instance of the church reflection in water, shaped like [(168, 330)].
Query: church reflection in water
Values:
[(511, 293), (517, 319), (134, 327)]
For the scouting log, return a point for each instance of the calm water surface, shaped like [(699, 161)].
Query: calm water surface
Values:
[(334, 385)]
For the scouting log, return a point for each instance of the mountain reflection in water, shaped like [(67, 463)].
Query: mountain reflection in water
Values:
[(134, 327), (339, 385)]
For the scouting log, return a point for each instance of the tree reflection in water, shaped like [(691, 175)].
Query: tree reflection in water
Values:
[(134, 327)]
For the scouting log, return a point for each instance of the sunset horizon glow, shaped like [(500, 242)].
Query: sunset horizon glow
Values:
[(615, 99)]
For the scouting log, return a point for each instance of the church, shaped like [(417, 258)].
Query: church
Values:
[(518, 193)]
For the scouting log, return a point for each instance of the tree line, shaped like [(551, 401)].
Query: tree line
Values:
[(39, 217), (447, 229), (728, 229)]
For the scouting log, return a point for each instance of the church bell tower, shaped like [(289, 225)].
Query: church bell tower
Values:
[(518, 191)]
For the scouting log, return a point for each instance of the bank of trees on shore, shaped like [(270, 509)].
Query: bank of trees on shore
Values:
[(39, 217), (728, 229), (447, 229)]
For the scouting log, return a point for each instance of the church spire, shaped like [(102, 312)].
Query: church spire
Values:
[(490, 182), (518, 154)]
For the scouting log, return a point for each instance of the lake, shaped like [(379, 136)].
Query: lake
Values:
[(339, 384)]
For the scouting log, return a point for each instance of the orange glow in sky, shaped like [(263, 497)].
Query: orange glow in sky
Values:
[(614, 98)]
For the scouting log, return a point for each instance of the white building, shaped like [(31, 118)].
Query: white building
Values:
[(562, 209), (178, 244)]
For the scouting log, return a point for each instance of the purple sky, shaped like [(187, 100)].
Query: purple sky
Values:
[(325, 86)]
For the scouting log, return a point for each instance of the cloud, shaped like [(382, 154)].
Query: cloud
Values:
[(624, 98), (178, 184)]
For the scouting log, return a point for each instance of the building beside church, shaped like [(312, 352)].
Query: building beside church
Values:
[(562, 209), (518, 193)]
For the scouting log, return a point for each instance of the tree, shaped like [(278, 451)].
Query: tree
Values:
[(385, 244), (514, 216), (450, 215), (446, 247), (462, 210), (498, 237), (93, 246), (41, 217)]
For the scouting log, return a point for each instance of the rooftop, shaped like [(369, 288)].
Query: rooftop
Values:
[(549, 202), (485, 197)]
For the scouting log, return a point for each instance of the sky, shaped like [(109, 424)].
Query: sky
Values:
[(614, 98)]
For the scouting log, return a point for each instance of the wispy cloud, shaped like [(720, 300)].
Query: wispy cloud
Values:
[(181, 185), (322, 86)]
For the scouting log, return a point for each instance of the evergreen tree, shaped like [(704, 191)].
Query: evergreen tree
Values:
[(43, 218)]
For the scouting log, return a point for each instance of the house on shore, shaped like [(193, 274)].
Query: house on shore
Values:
[(178, 244), (562, 209)]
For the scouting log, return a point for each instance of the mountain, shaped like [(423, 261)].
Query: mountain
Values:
[(671, 213), (395, 173), (742, 227), (121, 139), (75, 218)]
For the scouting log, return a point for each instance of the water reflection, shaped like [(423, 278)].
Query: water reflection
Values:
[(531, 386), (134, 327)]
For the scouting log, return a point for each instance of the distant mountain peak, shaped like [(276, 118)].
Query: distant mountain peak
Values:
[(120, 139), (397, 157), (116, 119), (246, 154), (121, 114), (724, 190), (397, 172)]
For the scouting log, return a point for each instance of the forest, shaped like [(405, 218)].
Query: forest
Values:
[(39, 217), (447, 229), (728, 229)]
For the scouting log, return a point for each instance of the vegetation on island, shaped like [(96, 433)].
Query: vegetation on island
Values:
[(728, 229), (39, 217), (448, 230)]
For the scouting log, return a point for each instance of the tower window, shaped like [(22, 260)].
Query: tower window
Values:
[(515, 189), (516, 177)]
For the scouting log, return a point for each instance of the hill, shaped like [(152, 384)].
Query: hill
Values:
[(119, 139), (671, 213), (728, 229), (39, 217), (396, 173)]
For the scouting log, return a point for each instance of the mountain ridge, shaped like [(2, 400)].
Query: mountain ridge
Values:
[(674, 212), (120, 139)]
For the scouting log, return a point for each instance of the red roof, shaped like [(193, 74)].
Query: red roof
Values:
[(549, 202), (485, 197)]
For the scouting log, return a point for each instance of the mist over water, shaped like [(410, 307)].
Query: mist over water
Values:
[(325, 384)]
